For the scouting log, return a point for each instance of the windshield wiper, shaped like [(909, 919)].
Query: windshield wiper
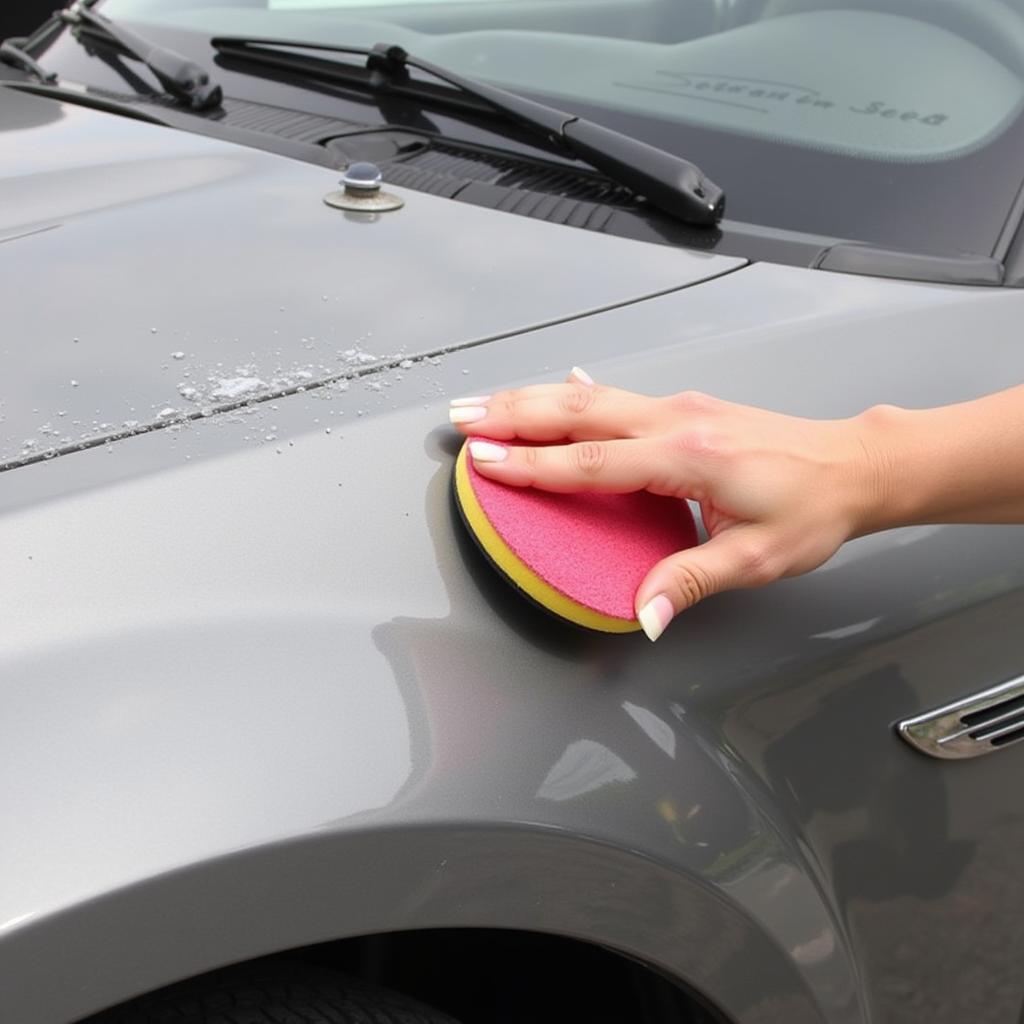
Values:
[(669, 182), (12, 53), (183, 79)]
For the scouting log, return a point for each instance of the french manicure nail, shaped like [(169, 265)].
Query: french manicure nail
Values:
[(655, 616), (466, 413), (486, 451), (456, 403), (581, 376)]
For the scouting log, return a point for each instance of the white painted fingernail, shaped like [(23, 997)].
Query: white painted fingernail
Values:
[(655, 616), (485, 451), (467, 414), (456, 403), (581, 376)]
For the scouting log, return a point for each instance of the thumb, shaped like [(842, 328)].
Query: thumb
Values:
[(729, 560)]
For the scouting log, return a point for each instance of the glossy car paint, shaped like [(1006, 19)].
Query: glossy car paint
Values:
[(261, 693), (236, 264)]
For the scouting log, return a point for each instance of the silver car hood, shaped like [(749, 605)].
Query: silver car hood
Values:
[(151, 275)]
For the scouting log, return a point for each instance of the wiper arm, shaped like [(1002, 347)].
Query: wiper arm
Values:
[(183, 79), (12, 53), (669, 182)]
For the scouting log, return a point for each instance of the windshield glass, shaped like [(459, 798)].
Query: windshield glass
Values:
[(918, 95)]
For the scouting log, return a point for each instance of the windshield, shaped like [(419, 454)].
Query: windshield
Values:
[(825, 101)]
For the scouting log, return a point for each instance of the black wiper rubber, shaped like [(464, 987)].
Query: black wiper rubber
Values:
[(12, 53), (183, 79), (672, 184)]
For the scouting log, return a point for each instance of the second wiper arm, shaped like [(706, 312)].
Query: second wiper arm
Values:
[(672, 184), (183, 79)]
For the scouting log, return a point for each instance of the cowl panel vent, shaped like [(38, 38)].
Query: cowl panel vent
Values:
[(282, 123), (561, 195)]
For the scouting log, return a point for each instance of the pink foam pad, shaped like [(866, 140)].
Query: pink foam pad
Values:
[(594, 548)]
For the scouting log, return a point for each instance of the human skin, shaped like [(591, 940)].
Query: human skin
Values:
[(778, 494)]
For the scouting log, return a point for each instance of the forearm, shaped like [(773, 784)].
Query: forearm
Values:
[(959, 463), (778, 494)]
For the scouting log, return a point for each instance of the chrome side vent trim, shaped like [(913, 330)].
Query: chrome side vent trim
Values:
[(976, 725)]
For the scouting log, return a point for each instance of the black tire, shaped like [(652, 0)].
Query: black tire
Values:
[(273, 994)]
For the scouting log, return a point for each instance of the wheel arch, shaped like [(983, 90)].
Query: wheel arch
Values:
[(323, 887)]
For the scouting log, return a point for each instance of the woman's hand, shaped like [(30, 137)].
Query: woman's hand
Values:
[(778, 494)]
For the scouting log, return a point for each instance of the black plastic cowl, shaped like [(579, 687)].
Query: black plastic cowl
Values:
[(875, 261)]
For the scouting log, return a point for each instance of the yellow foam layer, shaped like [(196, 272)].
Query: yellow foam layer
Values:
[(517, 570)]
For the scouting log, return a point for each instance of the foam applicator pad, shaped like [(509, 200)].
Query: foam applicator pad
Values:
[(579, 556)]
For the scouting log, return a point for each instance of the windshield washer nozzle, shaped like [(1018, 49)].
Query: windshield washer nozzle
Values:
[(361, 190), (362, 179)]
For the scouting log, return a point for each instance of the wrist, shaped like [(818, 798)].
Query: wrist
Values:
[(884, 498)]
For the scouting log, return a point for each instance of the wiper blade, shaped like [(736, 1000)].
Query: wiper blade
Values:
[(183, 79), (672, 184), (12, 53)]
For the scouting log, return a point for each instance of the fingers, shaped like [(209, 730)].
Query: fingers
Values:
[(733, 559), (610, 467), (555, 412)]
